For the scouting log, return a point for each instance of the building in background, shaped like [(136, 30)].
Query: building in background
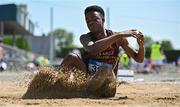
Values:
[(14, 20), (40, 45)]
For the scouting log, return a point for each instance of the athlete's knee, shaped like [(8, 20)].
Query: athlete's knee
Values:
[(73, 60), (71, 57)]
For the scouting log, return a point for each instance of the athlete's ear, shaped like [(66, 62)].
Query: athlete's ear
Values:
[(103, 20)]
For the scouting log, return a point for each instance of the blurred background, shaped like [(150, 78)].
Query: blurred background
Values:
[(42, 32)]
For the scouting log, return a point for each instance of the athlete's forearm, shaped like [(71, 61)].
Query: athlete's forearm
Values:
[(103, 44), (140, 54)]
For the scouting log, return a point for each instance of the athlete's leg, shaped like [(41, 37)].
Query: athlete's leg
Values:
[(73, 59), (98, 83)]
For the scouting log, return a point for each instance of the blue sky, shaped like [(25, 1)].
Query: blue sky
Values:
[(159, 19)]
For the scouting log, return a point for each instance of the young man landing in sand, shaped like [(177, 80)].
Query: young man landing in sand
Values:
[(101, 48)]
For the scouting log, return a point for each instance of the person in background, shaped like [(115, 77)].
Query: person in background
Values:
[(3, 65), (156, 56), (41, 61), (124, 61)]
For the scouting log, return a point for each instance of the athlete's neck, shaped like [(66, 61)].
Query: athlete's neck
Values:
[(100, 35)]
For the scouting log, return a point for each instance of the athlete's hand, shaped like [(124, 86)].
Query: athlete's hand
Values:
[(133, 33), (139, 37), (129, 33)]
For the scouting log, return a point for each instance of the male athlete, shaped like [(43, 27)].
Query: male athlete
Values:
[(101, 48)]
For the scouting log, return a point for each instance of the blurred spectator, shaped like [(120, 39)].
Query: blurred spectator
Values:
[(178, 61), (124, 60), (31, 67), (147, 65), (1, 50), (156, 56), (41, 61), (3, 65)]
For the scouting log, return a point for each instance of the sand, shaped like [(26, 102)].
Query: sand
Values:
[(62, 83), (128, 94)]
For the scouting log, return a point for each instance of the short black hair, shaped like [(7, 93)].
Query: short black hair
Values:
[(94, 8)]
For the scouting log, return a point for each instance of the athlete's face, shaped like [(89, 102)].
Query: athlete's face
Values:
[(95, 21)]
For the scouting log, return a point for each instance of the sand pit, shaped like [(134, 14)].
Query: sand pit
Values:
[(128, 95)]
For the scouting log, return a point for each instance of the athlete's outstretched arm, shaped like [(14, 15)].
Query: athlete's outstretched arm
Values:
[(102, 44)]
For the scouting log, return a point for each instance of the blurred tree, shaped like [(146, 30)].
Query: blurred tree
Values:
[(166, 45), (21, 42), (148, 42), (64, 39)]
